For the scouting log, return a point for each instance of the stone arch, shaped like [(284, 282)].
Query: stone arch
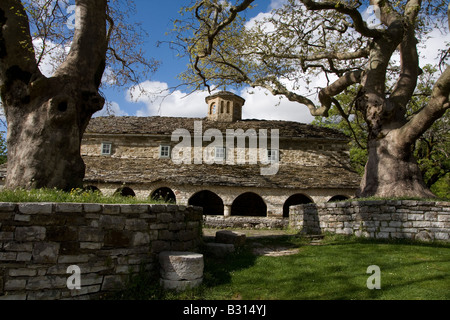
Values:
[(294, 200), (249, 204), (211, 203), (164, 194), (338, 198), (125, 192)]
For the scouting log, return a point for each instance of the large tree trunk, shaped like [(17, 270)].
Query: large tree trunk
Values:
[(392, 171), (44, 134), (47, 116)]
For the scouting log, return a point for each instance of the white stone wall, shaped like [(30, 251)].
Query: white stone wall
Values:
[(292, 151), (424, 220)]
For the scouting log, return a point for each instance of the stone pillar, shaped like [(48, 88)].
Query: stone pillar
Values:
[(227, 211)]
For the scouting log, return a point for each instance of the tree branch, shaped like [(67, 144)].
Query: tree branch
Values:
[(87, 56), (325, 95), (280, 89), (16, 46), (358, 22), (348, 79), (409, 59), (439, 103), (218, 27), (363, 53)]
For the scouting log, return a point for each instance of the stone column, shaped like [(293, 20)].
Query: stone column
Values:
[(227, 211)]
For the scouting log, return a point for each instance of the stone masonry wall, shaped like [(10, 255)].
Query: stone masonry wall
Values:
[(304, 152), (39, 241), (421, 220), (221, 222)]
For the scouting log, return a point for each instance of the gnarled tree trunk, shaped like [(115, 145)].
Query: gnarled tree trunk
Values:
[(47, 116), (392, 170), (44, 134)]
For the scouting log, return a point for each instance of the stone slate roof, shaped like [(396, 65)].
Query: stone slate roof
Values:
[(166, 125), (116, 170)]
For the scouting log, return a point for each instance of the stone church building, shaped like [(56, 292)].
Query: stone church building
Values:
[(218, 162)]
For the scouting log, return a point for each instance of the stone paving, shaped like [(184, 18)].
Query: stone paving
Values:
[(258, 248)]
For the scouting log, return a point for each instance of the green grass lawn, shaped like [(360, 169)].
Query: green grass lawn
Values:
[(336, 269), (73, 196)]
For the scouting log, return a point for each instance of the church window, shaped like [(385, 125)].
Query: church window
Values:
[(164, 152), (106, 148), (220, 154), (272, 155)]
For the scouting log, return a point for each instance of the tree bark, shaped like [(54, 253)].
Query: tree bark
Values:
[(47, 116), (392, 170)]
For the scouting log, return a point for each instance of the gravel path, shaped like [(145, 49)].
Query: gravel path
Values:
[(258, 248)]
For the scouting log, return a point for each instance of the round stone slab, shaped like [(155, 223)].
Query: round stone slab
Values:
[(181, 266)]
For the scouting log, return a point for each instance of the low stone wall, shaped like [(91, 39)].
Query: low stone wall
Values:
[(240, 222), (108, 243), (424, 220)]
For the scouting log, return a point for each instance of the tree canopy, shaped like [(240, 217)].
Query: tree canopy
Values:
[(287, 50), (52, 25)]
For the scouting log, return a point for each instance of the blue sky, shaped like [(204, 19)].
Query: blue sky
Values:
[(259, 105), (157, 23)]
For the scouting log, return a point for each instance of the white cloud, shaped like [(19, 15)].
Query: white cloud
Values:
[(112, 109), (372, 16), (52, 57), (261, 104), (158, 101), (276, 4), (429, 48), (261, 17)]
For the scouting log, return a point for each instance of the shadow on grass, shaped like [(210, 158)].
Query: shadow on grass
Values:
[(336, 269), (218, 271)]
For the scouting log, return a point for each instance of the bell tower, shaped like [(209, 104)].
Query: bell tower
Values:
[(225, 106)]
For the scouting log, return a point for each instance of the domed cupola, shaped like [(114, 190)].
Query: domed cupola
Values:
[(225, 106)]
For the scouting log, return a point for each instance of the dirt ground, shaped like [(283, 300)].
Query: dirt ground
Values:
[(250, 233)]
